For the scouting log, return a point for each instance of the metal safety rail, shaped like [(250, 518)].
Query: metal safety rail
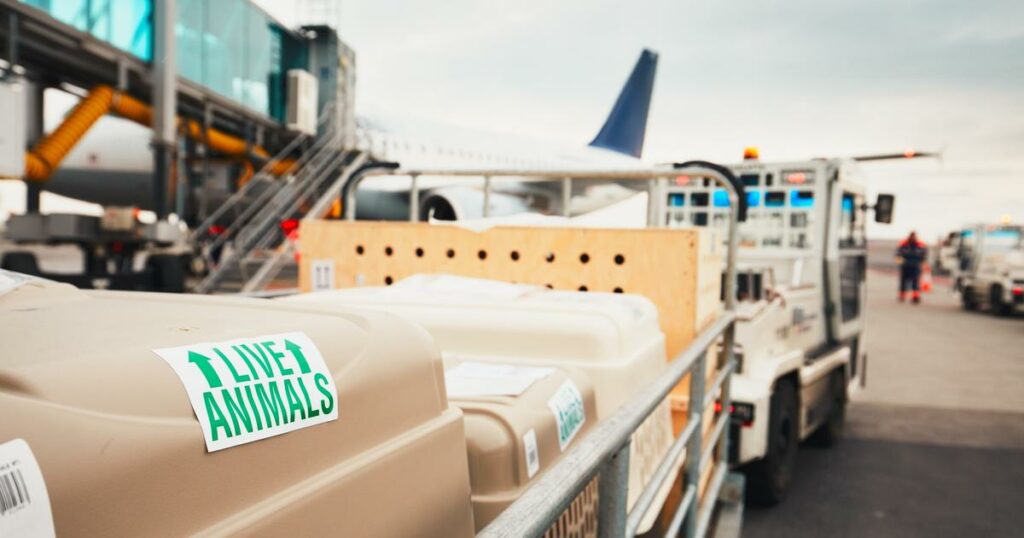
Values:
[(272, 266), (263, 177), (604, 451), (258, 225)]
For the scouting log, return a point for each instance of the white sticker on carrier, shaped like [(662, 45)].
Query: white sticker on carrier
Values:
[(472, 379), (24, 502)]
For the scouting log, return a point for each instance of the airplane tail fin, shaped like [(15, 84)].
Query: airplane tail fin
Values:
[(623, 131)]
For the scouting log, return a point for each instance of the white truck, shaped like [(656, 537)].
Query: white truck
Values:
[(987, 262), (801, 290)]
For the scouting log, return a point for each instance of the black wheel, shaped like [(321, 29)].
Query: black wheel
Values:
[(769, 478), (968, 300), (995, 299), (831, 431), (21, 262), (197, 266), (167, 272)]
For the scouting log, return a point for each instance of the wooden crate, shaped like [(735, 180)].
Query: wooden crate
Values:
[(672, 268)]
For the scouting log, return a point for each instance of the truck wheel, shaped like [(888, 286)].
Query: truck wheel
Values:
[(967, 299), (21, 262), (995, 298), (167, 272), (770, 476), (831, 431)]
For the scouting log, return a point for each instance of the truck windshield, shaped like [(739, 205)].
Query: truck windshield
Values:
[(1004, 239)]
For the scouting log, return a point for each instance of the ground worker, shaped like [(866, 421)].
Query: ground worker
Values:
[(911, 255)]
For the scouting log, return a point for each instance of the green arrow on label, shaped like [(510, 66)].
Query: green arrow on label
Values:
[(296, 352), (203, 363)]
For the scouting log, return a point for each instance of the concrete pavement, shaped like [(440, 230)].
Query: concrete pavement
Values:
[(935, 444)]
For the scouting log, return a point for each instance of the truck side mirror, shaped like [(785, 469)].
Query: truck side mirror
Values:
[(883, 208)]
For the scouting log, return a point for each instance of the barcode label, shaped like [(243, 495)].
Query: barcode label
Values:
[(13, 492), (24, 503), (532, 455)]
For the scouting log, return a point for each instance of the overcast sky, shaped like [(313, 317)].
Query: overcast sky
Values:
[(798, 79)]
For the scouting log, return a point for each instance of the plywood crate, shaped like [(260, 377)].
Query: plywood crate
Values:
[(664, 265)]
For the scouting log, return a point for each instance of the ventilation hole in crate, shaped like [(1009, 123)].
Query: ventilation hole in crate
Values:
[(620, 259), (514, 255), (450, 253), (617, 290), (550, 257), (482, 254), (360, 250), (388, 250), (549, 286), (388, 280), (584, 258), (419, 252), (583, 288)]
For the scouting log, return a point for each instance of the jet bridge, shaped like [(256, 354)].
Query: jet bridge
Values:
[(242, 99)]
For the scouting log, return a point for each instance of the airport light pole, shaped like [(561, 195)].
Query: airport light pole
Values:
[(165, 103)]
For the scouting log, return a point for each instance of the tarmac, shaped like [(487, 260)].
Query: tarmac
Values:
[(934, 444)]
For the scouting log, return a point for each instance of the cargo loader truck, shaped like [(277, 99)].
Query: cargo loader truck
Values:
[(801, 304), (987, 262)]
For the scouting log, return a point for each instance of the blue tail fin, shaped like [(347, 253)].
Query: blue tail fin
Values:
[(624, 130)]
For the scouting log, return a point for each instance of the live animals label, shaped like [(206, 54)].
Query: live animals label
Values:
[(570, 414), (252, 388), (24, 501)]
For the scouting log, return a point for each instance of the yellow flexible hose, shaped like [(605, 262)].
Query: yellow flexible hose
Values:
[(43, 159), (46, 156)]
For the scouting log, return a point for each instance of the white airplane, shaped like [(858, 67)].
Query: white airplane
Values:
[(112, 164)]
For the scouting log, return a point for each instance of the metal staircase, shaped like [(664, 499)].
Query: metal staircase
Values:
[(275, 261), (254, 246)]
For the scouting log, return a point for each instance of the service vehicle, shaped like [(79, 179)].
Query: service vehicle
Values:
[(944, 256), (988, 262), (801, 290)]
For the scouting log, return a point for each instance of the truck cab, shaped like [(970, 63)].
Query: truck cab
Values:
[(991, 268), (801, 292)]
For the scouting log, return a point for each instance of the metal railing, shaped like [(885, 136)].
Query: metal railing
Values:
[(604, 451), (238, 196), (255, 227), (270, 268)]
